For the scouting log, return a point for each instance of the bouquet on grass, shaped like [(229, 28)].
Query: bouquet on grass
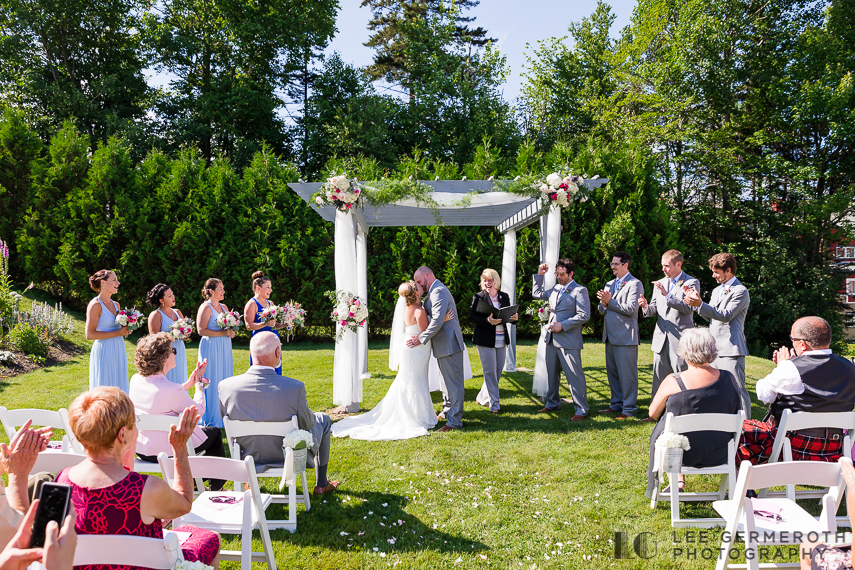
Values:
[(229, 320), (339, 191), (539, 309), (294, 316), (130, 318), (181, 329), (349, 311)]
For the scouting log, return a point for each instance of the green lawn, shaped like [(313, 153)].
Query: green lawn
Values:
[(508, 491)]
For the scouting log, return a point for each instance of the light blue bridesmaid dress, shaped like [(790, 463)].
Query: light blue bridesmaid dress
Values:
[(179, 373), (108, 361), (218, 351)]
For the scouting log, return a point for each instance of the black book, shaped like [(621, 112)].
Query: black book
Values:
[(505, 313)]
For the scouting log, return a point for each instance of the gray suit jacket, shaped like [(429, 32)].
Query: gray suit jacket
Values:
[(572, 310), (621, 325), (445, 336), (673, 315), (264, 396), (726, 314)]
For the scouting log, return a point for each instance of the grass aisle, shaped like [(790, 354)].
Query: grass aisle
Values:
[(509, 491)]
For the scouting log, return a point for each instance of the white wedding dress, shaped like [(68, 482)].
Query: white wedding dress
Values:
[(407, 410)]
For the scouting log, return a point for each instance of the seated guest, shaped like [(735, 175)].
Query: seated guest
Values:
[(262, 395), (110, 498), (808, 378), (17, 460), (701, 389), (152, 393)]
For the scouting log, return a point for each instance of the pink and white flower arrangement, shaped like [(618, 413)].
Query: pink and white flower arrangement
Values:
[(341, 192), (294, 315), (349, 312), (130, 318), (181, 329), (271, 313), (561, 189), (229, 320), (539, 309)]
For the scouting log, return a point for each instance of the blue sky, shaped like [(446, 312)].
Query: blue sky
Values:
[(512, 22)]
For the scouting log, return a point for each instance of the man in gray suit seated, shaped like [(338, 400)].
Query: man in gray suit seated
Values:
[(726, 313), (619, 304), (261, 395), (570, 309), (673, 316)]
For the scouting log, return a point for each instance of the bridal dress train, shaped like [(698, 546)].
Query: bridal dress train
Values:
[(407, 410)]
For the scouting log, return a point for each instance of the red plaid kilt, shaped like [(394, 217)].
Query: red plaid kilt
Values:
[(757, 439)]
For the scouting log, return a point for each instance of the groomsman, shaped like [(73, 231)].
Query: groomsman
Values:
[(726, 313), (570, 309), (619, 303), (673, 316)]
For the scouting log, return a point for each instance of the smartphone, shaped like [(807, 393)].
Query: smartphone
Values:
[(54, 500)]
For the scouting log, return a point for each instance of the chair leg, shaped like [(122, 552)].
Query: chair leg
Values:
[(266, 543), (675, 498), (292, 502), (723, 486)]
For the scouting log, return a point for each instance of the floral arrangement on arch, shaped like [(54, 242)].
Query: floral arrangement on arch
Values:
[(349, 312), (181, 329), (561, 189), (539, 309), (341, 192)]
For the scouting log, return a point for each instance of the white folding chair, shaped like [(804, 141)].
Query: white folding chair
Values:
[(795, 523), (158, 553), (730, 423), (286, 475), (56, 462), (150, 422), (782, 449), (242, 516), (13, 419)]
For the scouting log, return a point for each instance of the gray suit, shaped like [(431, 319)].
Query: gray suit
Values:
[(673, 317), (620, 333), (726, 314), (261, 395), (447, 346), (572, 309)]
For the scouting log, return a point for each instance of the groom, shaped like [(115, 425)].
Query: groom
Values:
[(447, 345)]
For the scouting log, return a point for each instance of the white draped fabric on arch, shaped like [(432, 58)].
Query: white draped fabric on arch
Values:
[(486, 205)]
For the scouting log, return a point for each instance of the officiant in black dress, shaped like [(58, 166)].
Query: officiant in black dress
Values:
[(490, 337)]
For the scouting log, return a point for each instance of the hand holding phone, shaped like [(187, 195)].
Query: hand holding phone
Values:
[(54, 501)]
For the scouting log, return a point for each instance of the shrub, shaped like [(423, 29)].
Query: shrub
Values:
[(29, 340)]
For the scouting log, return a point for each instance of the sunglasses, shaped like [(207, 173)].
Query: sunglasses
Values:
[(794, 339), (174, 351)]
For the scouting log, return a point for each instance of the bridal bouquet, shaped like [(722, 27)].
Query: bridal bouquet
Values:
[(271, 313), (561, 189), (340, 191), (229, 320), (539, 309), (349, 311), (181, 329), (294, 316), (130, 318)]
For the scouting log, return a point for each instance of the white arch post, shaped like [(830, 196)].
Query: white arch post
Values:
[(509, 286), (549, 249)]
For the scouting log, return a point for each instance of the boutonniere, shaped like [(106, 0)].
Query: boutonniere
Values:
[(726, 291), (680, 283), (620, 285)]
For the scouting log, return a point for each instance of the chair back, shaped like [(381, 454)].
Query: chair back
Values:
[(13, 419), (817, 473), (731, 423), (151, 422), (809, 420), (52, 462), (244, 428), (158, 553), (213, 468)]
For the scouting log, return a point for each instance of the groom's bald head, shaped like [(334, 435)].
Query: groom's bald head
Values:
[(424, 276)]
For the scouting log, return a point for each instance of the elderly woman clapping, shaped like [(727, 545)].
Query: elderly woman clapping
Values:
[(701, 389), (152, 393), (111, 499)]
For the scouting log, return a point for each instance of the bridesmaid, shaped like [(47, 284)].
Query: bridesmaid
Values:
[(260, 301), (162, 297), (108, 361), (216, 346)]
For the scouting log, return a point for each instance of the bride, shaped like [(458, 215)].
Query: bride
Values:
[(406, 411)]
